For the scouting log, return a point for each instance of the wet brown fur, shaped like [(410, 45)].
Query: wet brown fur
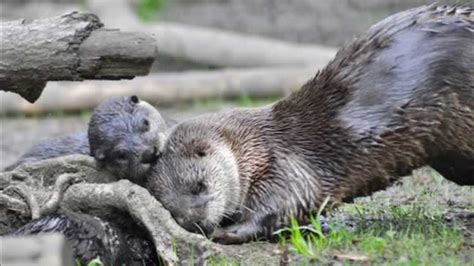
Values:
[(397, 98)]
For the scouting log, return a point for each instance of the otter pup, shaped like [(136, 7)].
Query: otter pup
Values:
[(124, 136), (75, 143), (399, 97)]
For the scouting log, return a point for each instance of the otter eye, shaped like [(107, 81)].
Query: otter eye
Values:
[(199, 188), (134, 99), (200, 148), (146, 125)]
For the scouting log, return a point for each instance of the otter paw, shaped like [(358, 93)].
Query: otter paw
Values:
[(224, 237)]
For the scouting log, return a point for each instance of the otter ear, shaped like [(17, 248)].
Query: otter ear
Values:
[(134, 99)]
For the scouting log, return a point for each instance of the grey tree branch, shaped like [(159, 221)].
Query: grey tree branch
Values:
[(45, 173), (68, 47), (143, 207), (173, 243), (123, 195)]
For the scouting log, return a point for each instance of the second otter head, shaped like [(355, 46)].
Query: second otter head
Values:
[(125, 135), (196, 177)]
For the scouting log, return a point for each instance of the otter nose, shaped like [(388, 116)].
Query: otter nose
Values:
[(149, 156)]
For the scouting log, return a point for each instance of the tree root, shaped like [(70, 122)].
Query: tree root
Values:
[(24, 192), (143, 207), (63, 182), (45, 173), (14, 204), (34, 183), (24, 189), (29, 203)]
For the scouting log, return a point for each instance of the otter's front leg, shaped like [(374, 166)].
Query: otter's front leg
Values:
[(257, 226)]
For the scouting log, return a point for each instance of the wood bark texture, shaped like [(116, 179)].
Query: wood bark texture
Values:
[(69, 47)]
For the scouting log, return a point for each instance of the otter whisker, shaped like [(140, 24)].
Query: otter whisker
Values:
[(200, 229)]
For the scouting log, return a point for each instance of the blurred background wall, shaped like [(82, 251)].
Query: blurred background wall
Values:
[(302, 24)]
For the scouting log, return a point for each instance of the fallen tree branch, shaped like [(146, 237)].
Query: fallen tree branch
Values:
[(172, 242), (165, 88), (36, 189), (68, 47), (138, 202), (122, 195), (46, 173)]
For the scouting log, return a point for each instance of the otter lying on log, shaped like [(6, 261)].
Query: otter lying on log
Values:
[(124, 136), (397, 98)]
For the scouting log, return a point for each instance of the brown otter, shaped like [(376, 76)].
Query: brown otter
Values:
[(399, 97), (124, 136)]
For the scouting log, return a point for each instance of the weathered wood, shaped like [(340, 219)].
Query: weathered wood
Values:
[(68, 47), (45, 249), (165, 88), (171, 241)]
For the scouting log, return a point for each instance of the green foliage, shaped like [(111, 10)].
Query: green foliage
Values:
[(399, 235), (148, 9), (94, 262), (308, 244)]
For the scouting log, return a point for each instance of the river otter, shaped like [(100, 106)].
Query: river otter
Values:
[(75, 143), (124, 136), (399, 97)]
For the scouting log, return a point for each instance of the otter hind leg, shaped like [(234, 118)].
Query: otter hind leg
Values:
[(456, 167)]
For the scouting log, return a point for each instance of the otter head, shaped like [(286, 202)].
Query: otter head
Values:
[(196, 177), (125, 135)]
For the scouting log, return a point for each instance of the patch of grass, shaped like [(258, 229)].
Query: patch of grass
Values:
[(395, 227), (94, 262)]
